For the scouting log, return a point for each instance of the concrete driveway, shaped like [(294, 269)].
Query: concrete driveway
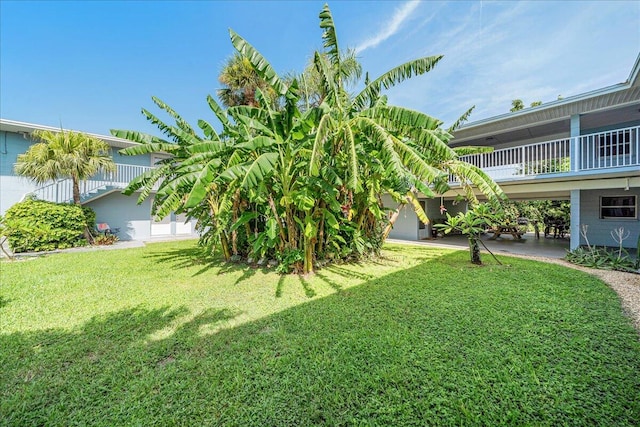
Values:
[(528, 245)]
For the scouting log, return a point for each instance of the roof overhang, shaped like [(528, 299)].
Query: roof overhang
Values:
[(28, 128), (618, 96)]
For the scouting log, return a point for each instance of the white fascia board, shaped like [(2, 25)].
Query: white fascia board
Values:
[(16, 126)]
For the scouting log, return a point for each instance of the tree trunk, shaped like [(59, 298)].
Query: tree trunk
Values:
[(4, 250), (392, 221), (76, 200), (474, 250)]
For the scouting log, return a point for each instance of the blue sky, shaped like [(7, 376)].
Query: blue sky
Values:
[(93, 65)]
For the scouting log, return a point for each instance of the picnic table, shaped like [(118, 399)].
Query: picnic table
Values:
[(558, 229), (506, 229)]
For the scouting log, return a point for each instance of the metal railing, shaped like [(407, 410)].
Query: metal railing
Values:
[(62, 191), (610, 149), (603, 150)]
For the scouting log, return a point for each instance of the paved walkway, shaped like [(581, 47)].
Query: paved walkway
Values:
[(528, 245), (120, 244)]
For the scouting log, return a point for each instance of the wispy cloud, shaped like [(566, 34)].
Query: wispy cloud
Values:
[(498, 51), (399, 17)]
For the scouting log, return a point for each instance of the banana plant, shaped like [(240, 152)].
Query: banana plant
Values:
[(300, 177)]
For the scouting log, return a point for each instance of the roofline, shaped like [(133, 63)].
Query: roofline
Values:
[(633, 76), (16, 126)]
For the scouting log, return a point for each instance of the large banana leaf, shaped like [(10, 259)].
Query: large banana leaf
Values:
[(464, 151), (260, 167), (461, 120), (179, 135), (208, 130), (182, 124), (403, 119), (417, 207), (218, 111), (261, 65), (202, 181), (352, 180), (329, 37), (379, 136), (471, 175), (139, 137), (330, 87), (317, 152), (395, 76)]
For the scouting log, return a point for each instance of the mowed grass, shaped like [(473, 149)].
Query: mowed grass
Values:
[(161, 336)]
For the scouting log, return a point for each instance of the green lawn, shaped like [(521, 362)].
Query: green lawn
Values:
[(159, 336)]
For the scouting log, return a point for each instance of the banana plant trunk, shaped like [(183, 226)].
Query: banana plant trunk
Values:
[(308, 255), (224, 242), (392, 221)]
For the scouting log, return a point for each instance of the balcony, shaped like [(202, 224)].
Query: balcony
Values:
[(101, 184), (602, 151)]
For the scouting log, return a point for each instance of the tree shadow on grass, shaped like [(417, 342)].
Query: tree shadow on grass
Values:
[(332, 283), (4, 302), (308, 290), (186, 258), (78, 370), (190, 257), (430, 342)]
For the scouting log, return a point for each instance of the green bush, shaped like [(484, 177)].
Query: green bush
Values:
[(90, 217), (64, 225)]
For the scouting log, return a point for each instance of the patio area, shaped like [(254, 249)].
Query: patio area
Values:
[(544, 247)]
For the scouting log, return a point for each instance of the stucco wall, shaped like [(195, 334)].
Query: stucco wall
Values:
[(599, 231), (12, 187), (120, 211), (406, 226)]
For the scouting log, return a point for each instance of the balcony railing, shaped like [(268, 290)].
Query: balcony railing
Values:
[(604, 150), (62, 191)]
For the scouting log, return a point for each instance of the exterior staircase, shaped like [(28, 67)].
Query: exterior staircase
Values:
[(100, 185)]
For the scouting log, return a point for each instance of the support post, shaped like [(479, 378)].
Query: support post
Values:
[(575, 220), (574, 148)]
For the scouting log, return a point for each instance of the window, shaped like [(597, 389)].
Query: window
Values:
[(616, 143), (618, 207)]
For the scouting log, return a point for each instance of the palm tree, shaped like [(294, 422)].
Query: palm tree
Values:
[(240, 81), (65, 154)]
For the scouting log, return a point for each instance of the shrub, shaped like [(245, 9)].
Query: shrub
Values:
[(64, 225), (90, 217)]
